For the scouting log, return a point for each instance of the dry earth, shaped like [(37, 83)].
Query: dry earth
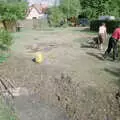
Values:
[(73, 80)]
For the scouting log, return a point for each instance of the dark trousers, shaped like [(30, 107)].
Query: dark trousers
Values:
[(112, 44)]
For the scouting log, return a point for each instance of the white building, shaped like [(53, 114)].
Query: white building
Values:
[(36, 11)]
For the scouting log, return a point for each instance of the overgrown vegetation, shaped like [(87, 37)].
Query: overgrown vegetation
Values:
[(66, 9), (70, 8), (87, 8), (5, 38), (95, 8), (10, 12), (6, 41), (6, 113), (55, 16)]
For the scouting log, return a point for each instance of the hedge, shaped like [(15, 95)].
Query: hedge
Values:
[(110, 24)]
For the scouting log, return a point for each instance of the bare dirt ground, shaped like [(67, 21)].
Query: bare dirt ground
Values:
[(73, 76)]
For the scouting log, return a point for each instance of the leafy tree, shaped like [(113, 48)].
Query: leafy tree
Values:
[(55, 16), (112, 8), (89, 8), (5, 38), (66, 9), (70, 7), (11, 12), (95, 8)]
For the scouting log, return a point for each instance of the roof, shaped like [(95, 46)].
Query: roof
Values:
[(41, 8), (37, 7)]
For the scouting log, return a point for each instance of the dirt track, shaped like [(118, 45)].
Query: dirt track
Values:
[(72, 77)]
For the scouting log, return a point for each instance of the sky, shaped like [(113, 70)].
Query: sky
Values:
[(48, 2)]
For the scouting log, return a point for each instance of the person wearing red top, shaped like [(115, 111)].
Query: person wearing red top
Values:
[(113, 43)]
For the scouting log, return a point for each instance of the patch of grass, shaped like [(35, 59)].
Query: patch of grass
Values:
[(6, 113), (24, 32), (85, 30), (3, 57)]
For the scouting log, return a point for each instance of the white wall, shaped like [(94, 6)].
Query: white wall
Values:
[(33, 13)]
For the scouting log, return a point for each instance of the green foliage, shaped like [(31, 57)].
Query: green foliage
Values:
[(95, 8), (67, 8), (12, 11), (55, 16), (70, 8), (112, 8), (6, 113), (6, 39), (111, 25), (65, 25), (89, 8)]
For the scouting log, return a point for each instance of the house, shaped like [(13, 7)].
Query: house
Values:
[(36, 11)]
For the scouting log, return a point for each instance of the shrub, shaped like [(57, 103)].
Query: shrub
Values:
[(65, 25), (55, 16), (110, 24), (10, 12), (6, 39)]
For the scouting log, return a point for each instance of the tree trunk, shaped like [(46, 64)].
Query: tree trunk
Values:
[(9, 25), (4, 24)]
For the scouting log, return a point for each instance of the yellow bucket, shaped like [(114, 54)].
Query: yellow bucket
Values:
[(39, 57)]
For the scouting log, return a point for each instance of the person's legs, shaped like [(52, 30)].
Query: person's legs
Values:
[(99, 41), (110, 45), (101, 46), (117, 51), (114, 49)]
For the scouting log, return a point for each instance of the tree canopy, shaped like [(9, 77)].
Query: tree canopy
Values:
[(95, 8), (12, 11), (91, 9), (70, 7)]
